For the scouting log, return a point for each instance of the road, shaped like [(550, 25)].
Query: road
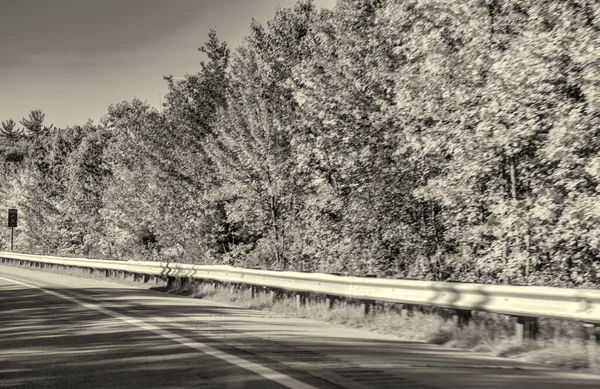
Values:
[(59, 331)]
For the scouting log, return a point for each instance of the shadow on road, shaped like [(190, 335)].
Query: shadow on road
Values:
[(48, 342)]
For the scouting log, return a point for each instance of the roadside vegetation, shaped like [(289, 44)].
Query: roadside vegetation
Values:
[(436, 140)]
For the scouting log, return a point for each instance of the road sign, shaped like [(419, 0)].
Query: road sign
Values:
[(12, 217)]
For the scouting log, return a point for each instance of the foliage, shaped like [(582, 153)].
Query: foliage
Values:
[(424, 139)]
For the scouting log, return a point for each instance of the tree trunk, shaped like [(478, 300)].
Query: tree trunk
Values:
[(513, 177), (273, 206), (513, 184), (482, 211), (528, 248), (505, 250)]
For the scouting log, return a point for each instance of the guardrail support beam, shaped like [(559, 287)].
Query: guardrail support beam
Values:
[(170, 282), (593, 333), (368, 306), (406, 310), (300, 300), (185, 283), (461, 317), (526, 328), (329, 301)]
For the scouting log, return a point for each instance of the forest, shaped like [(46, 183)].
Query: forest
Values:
[(433, 140)]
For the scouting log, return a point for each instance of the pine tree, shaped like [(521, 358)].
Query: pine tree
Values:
[(9, 131), (34, 124)]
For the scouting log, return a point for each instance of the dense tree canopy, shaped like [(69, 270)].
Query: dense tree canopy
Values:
[(424, 139)]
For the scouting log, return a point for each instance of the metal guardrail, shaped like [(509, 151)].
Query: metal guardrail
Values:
[(523, 301)]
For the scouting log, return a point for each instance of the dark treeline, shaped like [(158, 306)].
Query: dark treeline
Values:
[(440, 139)]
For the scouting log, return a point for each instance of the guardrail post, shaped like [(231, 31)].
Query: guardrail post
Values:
[(368, 306), (526, 327), (329, 301), (461, 317), (300, 300), (406, 310), (185, 283), (593, 333), (170, 282)]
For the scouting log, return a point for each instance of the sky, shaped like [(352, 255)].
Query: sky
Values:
[(73, 58)]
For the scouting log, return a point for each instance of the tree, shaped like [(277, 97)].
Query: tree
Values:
[(40, 192), (12, 147), (252, 143), (86, 177), (131, 205), (34, 124), (190, 113), (362, 214), (195, 99), (10, 132)]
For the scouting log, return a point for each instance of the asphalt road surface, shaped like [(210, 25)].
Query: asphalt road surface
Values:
[(59, 331)]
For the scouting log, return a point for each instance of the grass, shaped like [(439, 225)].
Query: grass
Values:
[(559, 344)]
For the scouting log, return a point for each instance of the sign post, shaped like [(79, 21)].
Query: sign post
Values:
[(12, 223)]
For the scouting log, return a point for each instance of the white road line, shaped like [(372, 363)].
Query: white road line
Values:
[(263, 371)]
